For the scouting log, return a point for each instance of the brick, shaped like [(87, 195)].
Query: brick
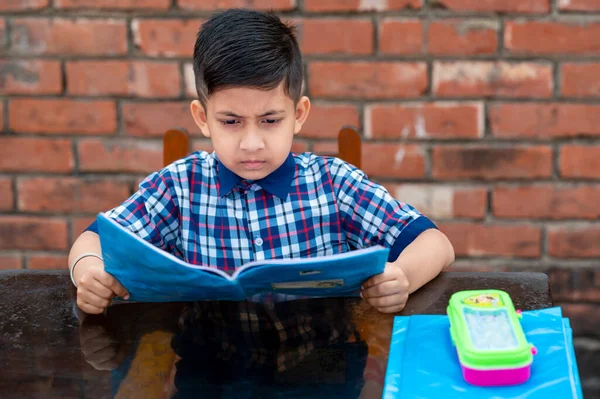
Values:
[(370, 80), (570, 284), (508, 6), (579, 161), (443, 202), (211, 5), (23, 5), (35, 155), (166, 37), (466, 265), (190, 81), (424, 120), (393, 160), (559, 37), (491, 163), (70, 195), (119, 156), (3, 36), (325, 147), (585, 319), (544, 120), (578, 5), (470, 203), (2, 107), (297, 146), (7, 194), (326, 119), (546, 202), (35, 233), (401, 36), (476, 240), (154, 119), (113, 4), (206, 145), (63, 116), (62, 36), (124, 78), (336, 36), (463, 37), (47, 262), (580, 80), (30, 77), (574, 242), (79, 224), (11, 262), (360, 5), (492, 79)]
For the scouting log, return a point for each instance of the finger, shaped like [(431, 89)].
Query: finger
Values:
[(88, 308), (385, 301), (378, 279), (391, 309), (89, 333), (102, 355), (106, 366), (119, 289), (92, 299), (96, 345), (100, 290), (383, 289), (114, 285)]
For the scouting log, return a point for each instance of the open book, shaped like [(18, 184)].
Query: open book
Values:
[(151, 274)]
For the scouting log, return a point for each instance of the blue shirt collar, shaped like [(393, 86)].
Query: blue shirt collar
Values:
[(278, 183)]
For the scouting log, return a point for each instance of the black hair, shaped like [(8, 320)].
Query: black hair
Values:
[(245, 48)]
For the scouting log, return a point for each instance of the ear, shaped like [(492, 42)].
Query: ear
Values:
[(199, 115), (302, 110)]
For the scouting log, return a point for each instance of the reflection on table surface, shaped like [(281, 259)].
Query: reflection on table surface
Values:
[(329, 347)]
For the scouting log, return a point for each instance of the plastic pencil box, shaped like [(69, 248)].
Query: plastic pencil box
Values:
[(491, 346)]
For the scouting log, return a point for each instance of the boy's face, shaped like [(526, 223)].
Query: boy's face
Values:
[(251, 130)]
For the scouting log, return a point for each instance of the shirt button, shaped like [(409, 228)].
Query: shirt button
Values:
[(258, 241)]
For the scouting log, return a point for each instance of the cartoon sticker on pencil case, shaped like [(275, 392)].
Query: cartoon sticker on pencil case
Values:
[(484, 300)]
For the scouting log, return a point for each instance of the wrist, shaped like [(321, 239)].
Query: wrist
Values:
[(83, 264)]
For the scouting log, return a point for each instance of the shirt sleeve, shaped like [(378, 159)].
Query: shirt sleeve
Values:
[(371, 216), (152, 213)]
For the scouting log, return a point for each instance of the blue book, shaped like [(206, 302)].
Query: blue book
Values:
[(151, 274), (423, 362)]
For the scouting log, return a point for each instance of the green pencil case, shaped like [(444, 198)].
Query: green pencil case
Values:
[(491, 346)]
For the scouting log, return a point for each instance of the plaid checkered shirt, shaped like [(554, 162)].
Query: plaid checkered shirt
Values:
[(203, 213)]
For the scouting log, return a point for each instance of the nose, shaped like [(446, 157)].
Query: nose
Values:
[(252, 141)]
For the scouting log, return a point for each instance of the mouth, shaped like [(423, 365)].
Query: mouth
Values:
[(253, 164)]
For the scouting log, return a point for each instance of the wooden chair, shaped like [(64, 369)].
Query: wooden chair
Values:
[(176, 145)]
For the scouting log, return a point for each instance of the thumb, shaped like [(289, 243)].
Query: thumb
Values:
[(119, 290)]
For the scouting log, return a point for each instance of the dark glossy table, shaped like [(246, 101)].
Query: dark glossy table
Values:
[(317, 348)]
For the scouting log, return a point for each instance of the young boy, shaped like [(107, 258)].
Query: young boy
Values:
[(251, 198)]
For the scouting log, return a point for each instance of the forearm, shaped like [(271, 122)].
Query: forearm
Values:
[(425, 257), (86, 242)]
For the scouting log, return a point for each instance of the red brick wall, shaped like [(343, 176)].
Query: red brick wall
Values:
[(482, 113)]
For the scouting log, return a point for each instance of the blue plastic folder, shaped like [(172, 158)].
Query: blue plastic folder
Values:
[(152, 275), (423, 362)]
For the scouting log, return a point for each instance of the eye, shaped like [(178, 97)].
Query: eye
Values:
[(272, 121), (229, 122)]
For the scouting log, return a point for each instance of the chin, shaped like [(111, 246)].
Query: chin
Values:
[(253, 175)]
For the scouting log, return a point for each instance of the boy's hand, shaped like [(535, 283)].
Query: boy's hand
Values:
[(99, 348), (96, 288), (387, 292)]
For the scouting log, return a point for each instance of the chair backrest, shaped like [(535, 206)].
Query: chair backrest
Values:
[(176, 145)]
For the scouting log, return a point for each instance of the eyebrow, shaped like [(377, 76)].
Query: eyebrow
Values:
[(268, 113)]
